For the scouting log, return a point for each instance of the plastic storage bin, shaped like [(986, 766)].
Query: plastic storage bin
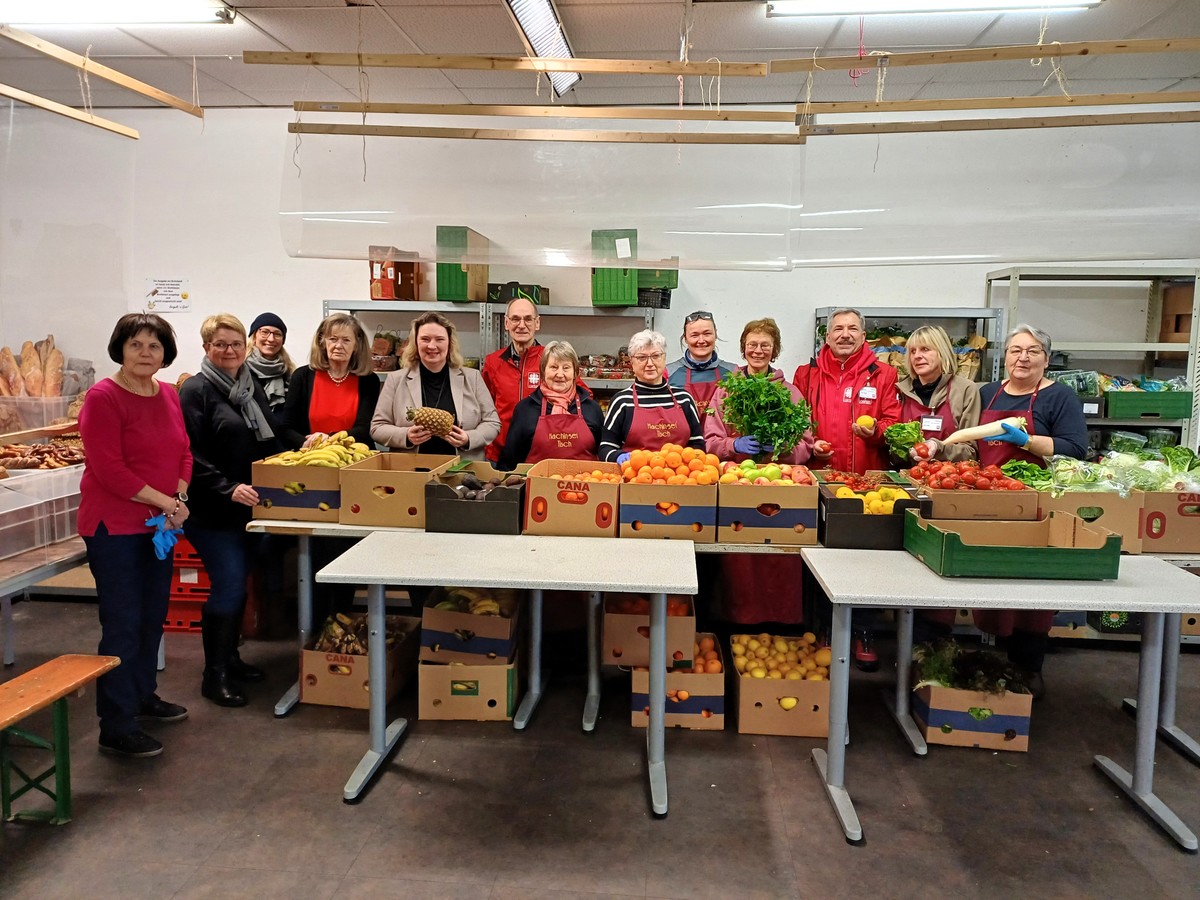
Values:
[(57, 494), (21, 527)]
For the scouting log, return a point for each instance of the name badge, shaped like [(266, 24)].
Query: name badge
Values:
[(931, 423), (867, 393)]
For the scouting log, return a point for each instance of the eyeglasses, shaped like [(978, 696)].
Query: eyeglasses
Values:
[(522, 320), (765, 348), (697, 316), (221, 346), (1025, 352), (642, 358), (271, 333)]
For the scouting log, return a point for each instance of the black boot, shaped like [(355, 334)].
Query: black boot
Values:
[(220, 635), (238, 669)]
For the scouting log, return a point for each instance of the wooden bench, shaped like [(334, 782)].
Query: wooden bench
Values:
[(48, 685)]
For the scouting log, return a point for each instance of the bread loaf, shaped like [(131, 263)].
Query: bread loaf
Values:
[(53, 374), (31, 369), (11, 373), (44, 347)]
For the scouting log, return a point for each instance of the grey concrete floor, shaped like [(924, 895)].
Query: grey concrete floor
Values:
[(244, 805)]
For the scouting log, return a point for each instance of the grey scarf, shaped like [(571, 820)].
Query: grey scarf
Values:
[(241, 394), (272, 374)]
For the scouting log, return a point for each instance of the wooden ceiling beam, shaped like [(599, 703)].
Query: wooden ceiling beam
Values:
[(949, 125), (496, 134), (1057, 100), (59, 109), (549, 112)]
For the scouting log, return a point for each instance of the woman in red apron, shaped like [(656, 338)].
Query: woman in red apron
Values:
[(942, 402), (559, 420), (1054, 424), (699, 370)]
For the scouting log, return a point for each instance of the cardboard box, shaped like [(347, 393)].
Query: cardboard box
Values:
[(693, 701), (296, 493), (843, 524), (338, 679), (1190, 622), (759, 712), (1009, 506), (394, 274), (590, 511), (389, 489), (467, 693), (766, 514), (970, 719), (1175, 324), (680, 511), (1115, 622), (626, 638), (448, 636), (1068, 623), (1170, 522), (1112, 511), (500, 512), (1061, 546)]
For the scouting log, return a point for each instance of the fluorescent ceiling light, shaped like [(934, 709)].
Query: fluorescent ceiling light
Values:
[(114, 12), (541, 30), (908, 7)]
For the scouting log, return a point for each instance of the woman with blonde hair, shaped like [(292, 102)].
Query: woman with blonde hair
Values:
[(269, 361), (432, 374), (933, 395), (338, 389)]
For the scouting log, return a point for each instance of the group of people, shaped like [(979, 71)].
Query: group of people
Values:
[(186, 457)]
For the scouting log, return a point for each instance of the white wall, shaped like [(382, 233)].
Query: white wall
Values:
[(201, 200)]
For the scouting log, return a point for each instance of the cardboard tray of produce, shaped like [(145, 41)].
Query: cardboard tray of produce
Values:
[(1061, 546), (452, 505), (844, 524)]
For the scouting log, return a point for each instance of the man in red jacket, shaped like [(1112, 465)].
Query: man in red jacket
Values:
[(843, 383), (513, 372)]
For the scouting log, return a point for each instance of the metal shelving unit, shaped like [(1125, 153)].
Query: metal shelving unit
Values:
[(1156, 281), (988, 323)]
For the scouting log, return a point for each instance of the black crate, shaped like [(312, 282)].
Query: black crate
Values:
[(654, 298)]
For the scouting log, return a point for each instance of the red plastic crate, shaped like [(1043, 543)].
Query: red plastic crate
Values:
[(185, 554), (201, 584), (183, 613)]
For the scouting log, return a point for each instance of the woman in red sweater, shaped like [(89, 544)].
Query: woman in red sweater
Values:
[(138, 467)]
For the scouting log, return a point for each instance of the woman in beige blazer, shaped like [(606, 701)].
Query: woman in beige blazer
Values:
[(431, 374)]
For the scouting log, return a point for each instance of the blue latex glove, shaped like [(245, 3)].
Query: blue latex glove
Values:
[(1012, 435), (623, 458), (164, 538), (747, 445)]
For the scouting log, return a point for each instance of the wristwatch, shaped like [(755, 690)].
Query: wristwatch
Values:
[(181, 496)]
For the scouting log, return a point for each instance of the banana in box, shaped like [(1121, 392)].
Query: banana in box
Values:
[(304, 485), (470, 625)]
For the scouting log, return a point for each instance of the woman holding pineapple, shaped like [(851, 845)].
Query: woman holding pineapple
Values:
[(432, 404)]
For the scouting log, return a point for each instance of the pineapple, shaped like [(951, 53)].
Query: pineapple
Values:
[(438, 421)]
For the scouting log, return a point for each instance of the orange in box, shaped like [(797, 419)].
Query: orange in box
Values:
[(626, 640), (694, 700), (681, 511), (767, 514), (557, 503), (389, 489)]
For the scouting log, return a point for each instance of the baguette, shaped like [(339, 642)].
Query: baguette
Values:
[(43, 348), (53, 374), (11, 373), (31, 369)]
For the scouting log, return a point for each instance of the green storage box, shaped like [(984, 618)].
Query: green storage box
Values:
[(1149, 404), (614, 287), (663, 279), (456, 279), (1061, 546)]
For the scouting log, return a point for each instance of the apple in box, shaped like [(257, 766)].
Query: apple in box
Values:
[(751, 472)]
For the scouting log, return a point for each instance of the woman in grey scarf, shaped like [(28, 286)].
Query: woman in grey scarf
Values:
[(268, 360), (230, 425)]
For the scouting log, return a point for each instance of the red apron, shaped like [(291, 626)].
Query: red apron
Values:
[(1002, 622), (702, 392), (753, 593), (561, 436), (653, 427), (935, 423)]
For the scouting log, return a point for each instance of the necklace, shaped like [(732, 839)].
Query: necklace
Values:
[(337, 380), (128, 385)]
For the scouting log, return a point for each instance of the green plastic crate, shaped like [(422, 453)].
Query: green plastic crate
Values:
[(1149, 404), (460, 282), (663, 279), (614, 287)]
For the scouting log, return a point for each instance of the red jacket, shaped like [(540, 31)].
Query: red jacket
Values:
[(510, 379), (841, 392)]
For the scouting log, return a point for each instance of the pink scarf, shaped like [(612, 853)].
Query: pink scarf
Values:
[(559, 400)]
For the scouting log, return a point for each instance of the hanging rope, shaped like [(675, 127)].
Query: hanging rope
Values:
[(196, 93), (856, 74), (806, 113), (304, 94), (364, 91), (85, 85)]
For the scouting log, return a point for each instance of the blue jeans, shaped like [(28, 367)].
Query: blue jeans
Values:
[(133, 587), (225, 553)]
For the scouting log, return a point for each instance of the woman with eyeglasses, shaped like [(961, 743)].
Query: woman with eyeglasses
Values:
[(1054, 425), (432, 374), (338, 389), (650, 412), (269, 362), (230, 425), (699, 370)]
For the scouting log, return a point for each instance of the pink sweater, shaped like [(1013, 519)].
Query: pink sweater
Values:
[(130, 442), (719, 437)]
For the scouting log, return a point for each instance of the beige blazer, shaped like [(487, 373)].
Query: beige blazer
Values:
[(476, 413)]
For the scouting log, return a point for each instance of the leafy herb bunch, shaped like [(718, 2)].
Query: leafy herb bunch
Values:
[(761, 407)]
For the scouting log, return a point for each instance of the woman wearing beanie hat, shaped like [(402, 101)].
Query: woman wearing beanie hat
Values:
[(269, 363)]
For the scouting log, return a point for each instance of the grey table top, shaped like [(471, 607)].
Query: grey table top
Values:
[(890, 579), (520, 561)]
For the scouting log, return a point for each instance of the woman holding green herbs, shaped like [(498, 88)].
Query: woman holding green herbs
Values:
[(935, 398), (760, 345)]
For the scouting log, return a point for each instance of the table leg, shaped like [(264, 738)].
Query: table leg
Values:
[(656, 748), (304, 592), (62, 763), (1171, 733), (831, 762), (10, 641), (591, 704), (1139, 786), (383, 736), (537, 678), (898, 704)]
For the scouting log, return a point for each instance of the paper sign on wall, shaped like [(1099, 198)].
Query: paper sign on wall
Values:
[(165, 295)]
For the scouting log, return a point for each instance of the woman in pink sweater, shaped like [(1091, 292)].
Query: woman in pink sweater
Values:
[(138, 467)]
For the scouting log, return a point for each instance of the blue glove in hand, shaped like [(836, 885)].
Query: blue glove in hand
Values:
[(623, 458), (747, 445), (164, 538), (1013, 435)]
